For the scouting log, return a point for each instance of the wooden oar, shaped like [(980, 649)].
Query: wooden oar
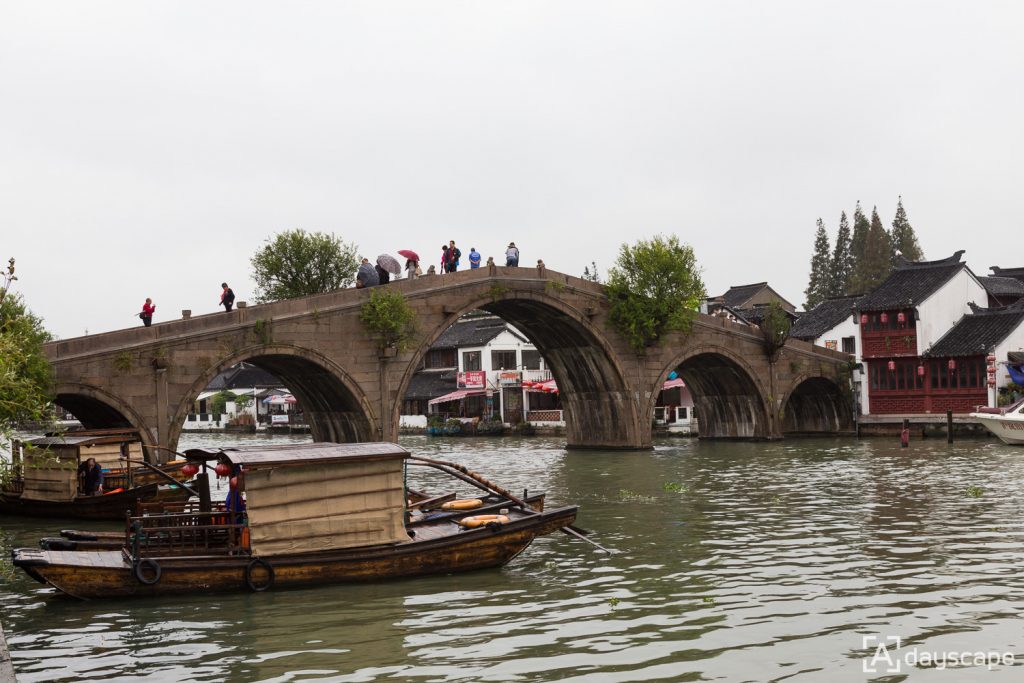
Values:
[(494, 488), (165, 475)]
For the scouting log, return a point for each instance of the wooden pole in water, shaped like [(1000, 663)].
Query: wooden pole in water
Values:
[(949, 426), (905, 434)]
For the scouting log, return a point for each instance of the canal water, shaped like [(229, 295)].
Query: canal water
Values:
[(736, 562)]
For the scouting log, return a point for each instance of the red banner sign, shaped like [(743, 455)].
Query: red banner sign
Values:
[(474, 379)]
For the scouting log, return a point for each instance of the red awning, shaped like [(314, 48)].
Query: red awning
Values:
[(456, 396), (548, 387)]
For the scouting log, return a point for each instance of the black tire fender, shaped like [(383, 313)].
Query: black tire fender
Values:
[(258, 561), (141, 576)]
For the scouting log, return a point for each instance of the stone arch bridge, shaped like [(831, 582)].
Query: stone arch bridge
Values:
[(352, 390)]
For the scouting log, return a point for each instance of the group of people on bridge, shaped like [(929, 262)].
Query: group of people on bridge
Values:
[(377, 274)]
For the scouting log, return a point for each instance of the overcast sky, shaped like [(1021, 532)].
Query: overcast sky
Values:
[(148, 149)]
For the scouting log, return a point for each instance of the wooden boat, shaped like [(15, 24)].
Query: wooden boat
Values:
[(43, 478), (1006, 423), (315, 514), (421, 508)]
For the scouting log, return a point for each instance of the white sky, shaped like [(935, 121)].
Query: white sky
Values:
[(148, 148)]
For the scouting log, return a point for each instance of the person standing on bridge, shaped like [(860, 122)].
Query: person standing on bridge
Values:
[(474, 258), (453, 257), (512, 255), (444, 258), (227, 297), (147, 312)]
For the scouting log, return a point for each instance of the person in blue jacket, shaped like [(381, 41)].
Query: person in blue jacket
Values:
[(474, 258)]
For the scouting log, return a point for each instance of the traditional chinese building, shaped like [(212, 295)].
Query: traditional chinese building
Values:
[(900, 321)]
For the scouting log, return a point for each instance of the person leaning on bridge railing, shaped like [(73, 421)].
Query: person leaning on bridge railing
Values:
[(512, 255)]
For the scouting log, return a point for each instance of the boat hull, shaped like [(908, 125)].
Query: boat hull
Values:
[(110, 574), (1008, 429), (109, 506)]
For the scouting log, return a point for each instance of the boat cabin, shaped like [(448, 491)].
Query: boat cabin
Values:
[(46, 468), (310, 497)]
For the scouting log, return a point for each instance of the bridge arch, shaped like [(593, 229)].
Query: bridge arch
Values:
[(337, 409), (596, 400), (730, 400), (816, 405), (96, 408)]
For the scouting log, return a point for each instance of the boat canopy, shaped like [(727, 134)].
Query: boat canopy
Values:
[(103, 445), (321, 496)]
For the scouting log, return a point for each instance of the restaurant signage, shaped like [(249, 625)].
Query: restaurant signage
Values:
[(474, 379)]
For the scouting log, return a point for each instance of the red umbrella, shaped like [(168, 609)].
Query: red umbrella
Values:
[(409, 254)]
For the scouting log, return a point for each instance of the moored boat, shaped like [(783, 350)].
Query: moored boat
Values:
[(1006, 423), (314, 514), (44, 477)]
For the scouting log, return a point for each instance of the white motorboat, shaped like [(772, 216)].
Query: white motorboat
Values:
[(1006, 423)]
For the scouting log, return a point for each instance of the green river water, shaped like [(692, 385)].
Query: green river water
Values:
[(736, 562)]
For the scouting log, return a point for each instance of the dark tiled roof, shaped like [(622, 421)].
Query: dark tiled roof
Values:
[(1002, 286), (1015, 273), (756, 315), (426, 384), (978, 333), (472, 332), (243, 376), (741, 294), (823, 317), (911, 283)]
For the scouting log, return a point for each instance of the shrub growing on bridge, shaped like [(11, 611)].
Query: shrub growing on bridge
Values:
[(297, 263), (654, 288), (389, 318)]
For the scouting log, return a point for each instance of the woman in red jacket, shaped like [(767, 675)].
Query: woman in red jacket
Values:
[(147, 312)]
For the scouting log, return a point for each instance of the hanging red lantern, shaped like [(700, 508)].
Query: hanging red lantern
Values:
[(233, 482), (892, 366), (952, 364), (190, 469), (901, 317), (920, 371), (863, 318), (991, 381), (990, 358), (885, 318), (222, 469), (991, 370)]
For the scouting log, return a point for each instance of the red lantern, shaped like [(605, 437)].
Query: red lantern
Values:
[(863, 318), (920, 371), (222, 469), (952, 364), (892, 366), (901, 317), (991, 381), (190, 469), (233, 482), (991, 371), (990, 359), (885, 318)]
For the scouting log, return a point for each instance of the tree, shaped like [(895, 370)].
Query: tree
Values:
[(842, 260), (818, 285), (858, 241), (590, 273), (26, 378), (654, 288), (297, 263), (876, 263), (904, 240)]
